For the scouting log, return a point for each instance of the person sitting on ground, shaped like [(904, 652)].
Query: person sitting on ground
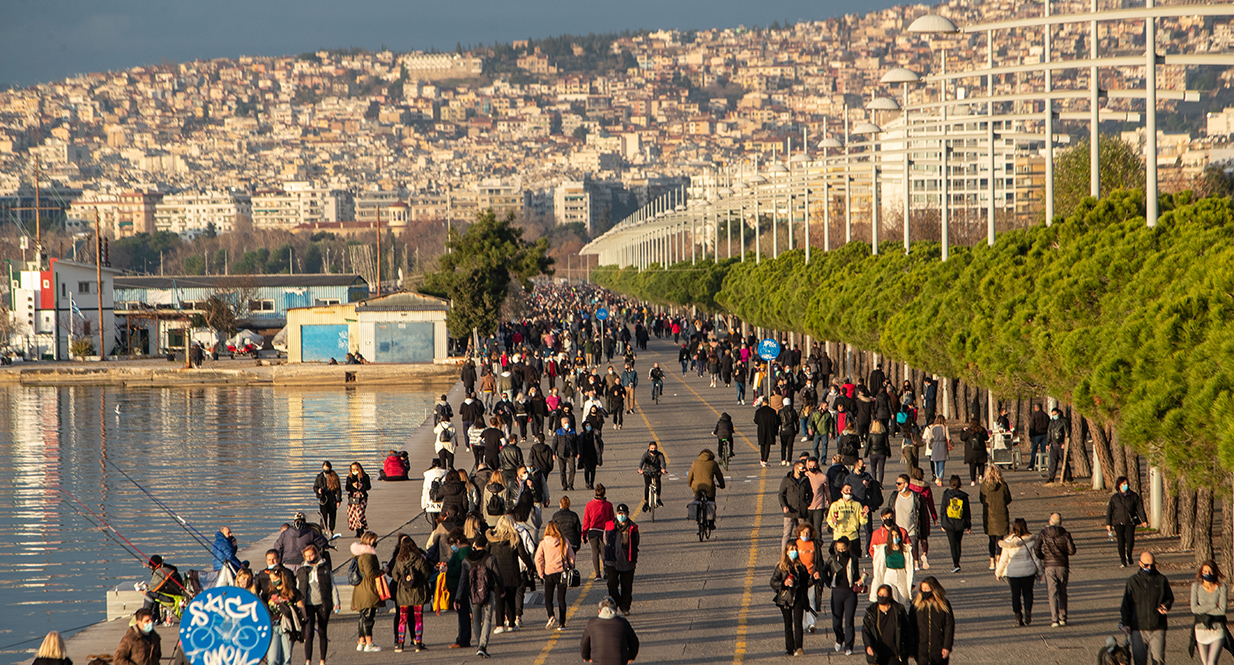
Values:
[(395, 467)]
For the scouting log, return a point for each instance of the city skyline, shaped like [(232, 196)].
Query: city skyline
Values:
[(43, 43)]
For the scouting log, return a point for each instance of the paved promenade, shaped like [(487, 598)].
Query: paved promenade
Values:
[(710, 602)]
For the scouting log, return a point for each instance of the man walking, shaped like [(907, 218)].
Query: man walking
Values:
[(1055, 548), (621, 557), (768, 422), (795, 498), (481, 583), (821, 491), (790, 424), (1038, 423), (1146, 601), (629, 379), (1056, 436), (609, 639), (565, 451)]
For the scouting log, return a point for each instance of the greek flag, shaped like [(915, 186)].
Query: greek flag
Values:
[(74, 307)]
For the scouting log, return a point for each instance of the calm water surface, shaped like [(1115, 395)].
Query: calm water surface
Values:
[(244, 457)]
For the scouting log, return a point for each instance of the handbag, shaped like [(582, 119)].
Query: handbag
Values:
[(573, 578), (355, 498), (383, 587)]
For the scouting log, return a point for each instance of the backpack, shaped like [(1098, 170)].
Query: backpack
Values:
[(354, 577), (901, 417), (477, 581), (496, 505), (434, 491), (955, 508), (443, 436)]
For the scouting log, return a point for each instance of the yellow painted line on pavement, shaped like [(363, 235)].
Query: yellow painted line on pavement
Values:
[(747, 593), (552, 639)]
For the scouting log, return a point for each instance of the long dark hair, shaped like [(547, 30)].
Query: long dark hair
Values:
[(332, 481), (407, 548)]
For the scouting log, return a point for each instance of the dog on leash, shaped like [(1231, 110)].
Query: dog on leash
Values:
[(1114, 653)]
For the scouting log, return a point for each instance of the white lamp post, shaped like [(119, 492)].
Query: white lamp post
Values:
[(826, 144), (870, 129), (904, 77)]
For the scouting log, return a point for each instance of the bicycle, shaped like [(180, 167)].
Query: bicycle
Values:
[(653, 497), (170, 607), (657, 387), (705, 525), (725, 451)]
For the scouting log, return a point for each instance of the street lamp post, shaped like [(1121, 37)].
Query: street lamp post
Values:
[(870, 129), (904, 77), (825, 144)]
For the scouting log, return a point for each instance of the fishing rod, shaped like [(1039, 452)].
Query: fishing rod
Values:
[(196, 535)]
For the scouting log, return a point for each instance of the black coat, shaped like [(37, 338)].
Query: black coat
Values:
[(570, 526), (453, 493), (796, 495), (935, 630), (905, 639), (1125, 509), (541, 458), (609, 641), (975, 442), (768, 422), (1141, 597), (795, 596), (965, 522)]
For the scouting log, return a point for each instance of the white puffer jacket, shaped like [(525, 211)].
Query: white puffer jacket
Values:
[(1017, 558)]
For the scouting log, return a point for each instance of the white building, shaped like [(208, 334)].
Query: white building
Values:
[(572, 203), (299, 203), (191, 213), (53, 308)]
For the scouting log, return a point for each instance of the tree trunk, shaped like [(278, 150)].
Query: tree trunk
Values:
[(1133, 473), (1203, 525), (1169, 506), (1227, 535), (1119, 455), (1080, 463), (1186, 516)]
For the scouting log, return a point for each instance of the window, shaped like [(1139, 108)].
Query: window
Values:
[(83, 287), (266, 305), (319, 302), (64, 289)]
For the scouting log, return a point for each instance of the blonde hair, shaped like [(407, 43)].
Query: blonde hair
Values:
[(939, 601), (52, 647), (472, 526), (993, 478), (876, 427), (505, 531), (369, 538)]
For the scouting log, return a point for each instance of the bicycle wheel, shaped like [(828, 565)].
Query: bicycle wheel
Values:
[(702, 528), (653, 498)]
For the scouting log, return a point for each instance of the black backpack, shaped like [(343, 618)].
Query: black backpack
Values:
[(496, 505), (434, 491), (477, 581), (354, 577)]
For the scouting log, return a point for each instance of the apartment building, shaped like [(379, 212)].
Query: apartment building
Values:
[(299, 203), (120, 215), (191, 214), (572, 203)]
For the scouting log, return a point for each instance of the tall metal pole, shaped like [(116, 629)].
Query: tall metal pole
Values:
[(378, 249), (758, 249), (1049, 126), (874, 202), (848, 195), (1150, 116), (946, 196), (826, 204), (1094, 122), (907, 180), (989, 123), (805, 182), (98, 279)]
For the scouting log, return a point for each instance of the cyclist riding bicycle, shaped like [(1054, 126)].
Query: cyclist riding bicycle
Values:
[(705, 477), (652, 466), (724, 435), (165, 586), (657, 379)]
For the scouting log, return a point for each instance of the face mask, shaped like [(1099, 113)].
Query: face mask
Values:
[(454, 548), (889, 523), (271, 566), (1124, 487), (895, 541), (1210, 578), (1148, 568), (803, 538), (884, 600), (848, 497), (147, 628), (621, 518), (926, 595), (792, 554)]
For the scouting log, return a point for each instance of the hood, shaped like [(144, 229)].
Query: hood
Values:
[(706, 456), (607, 613), (358, 548), (476, 556), (1016, 541), (725, 416)]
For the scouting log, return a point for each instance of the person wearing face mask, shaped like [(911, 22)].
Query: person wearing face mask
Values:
[(931, 617), (140, 644), (1123, 513), (886, 631), (810, 554), (1147, 600), (315, 583), (329, 493), (358, 486), (846, 516), (893, 562), (590, 453), (1055, 548), (292, 541), (621, 557), (282, 603), (1019, 565), (1208, 606), (843, 576), (791, 581), (795, 497), (1056, 436)]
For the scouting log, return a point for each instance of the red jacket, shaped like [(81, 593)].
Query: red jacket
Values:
[(394, 467), (596, 514), (879, 537)]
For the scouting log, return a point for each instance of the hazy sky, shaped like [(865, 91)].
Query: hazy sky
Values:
[(43, 40)]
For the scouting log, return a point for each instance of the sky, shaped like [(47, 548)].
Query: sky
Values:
[(46, 40)]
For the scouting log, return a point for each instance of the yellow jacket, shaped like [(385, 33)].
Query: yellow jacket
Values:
[(845, 518)]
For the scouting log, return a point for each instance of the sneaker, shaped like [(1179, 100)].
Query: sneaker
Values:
[(848, 652), (372, 648), (482, 653), (839, 647), (955, 570), (764, 464), (552, 621), (925, 565), (799, 652), (991, 564), (518, 623), (398, 648), (499, 630), (1062, 622), (420, 647), (1054, 624), (560, 628), (360, 647), (804, 439), (597, 578)]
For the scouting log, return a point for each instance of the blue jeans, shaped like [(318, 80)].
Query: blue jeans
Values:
[(938, 468), (741, 392), (684, 365), (279, 652), (820, 446), (1038, 445)]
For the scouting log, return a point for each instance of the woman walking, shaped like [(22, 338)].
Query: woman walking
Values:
[(554, 557), (995, 517), (411, 574), (1124, 512), (930, 614), (1020, 566), (791, 582), (957, 518), (329, 493), (53, 652), (507, 549), (893, 567), (939, 441), (1208, 606), (358, 486), (885, 630), (282, 601), (878, 449), (364, 598), (976, 453), (844, 577)]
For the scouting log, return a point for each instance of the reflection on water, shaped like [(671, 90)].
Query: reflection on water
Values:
[(244, 457)]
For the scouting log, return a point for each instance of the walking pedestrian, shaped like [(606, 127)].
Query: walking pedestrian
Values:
[(364, 598), (795, 498), (995, 516), (957, 518), (886, 632), (791, 582), (1019, 565), (976, 453), (568, 524), (846, 516), (596, 515), (554, 556), (609, 639), (140, 644), (810, 554), (939, 442), (1208, 607), (842, 575), (480, 582), (820, 489), (1147, 600), (790, 423), (621, 557), (926, 518), (1056, 437), (460, 547), (933, 622), (877, 450), (358, 486), (411, 574), (590, 453), (1123, 514), (508, 550), (329, 493), (892, 560), (768, 425), (1054, 549), (565, 453), (52, 651), (315, 582)]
